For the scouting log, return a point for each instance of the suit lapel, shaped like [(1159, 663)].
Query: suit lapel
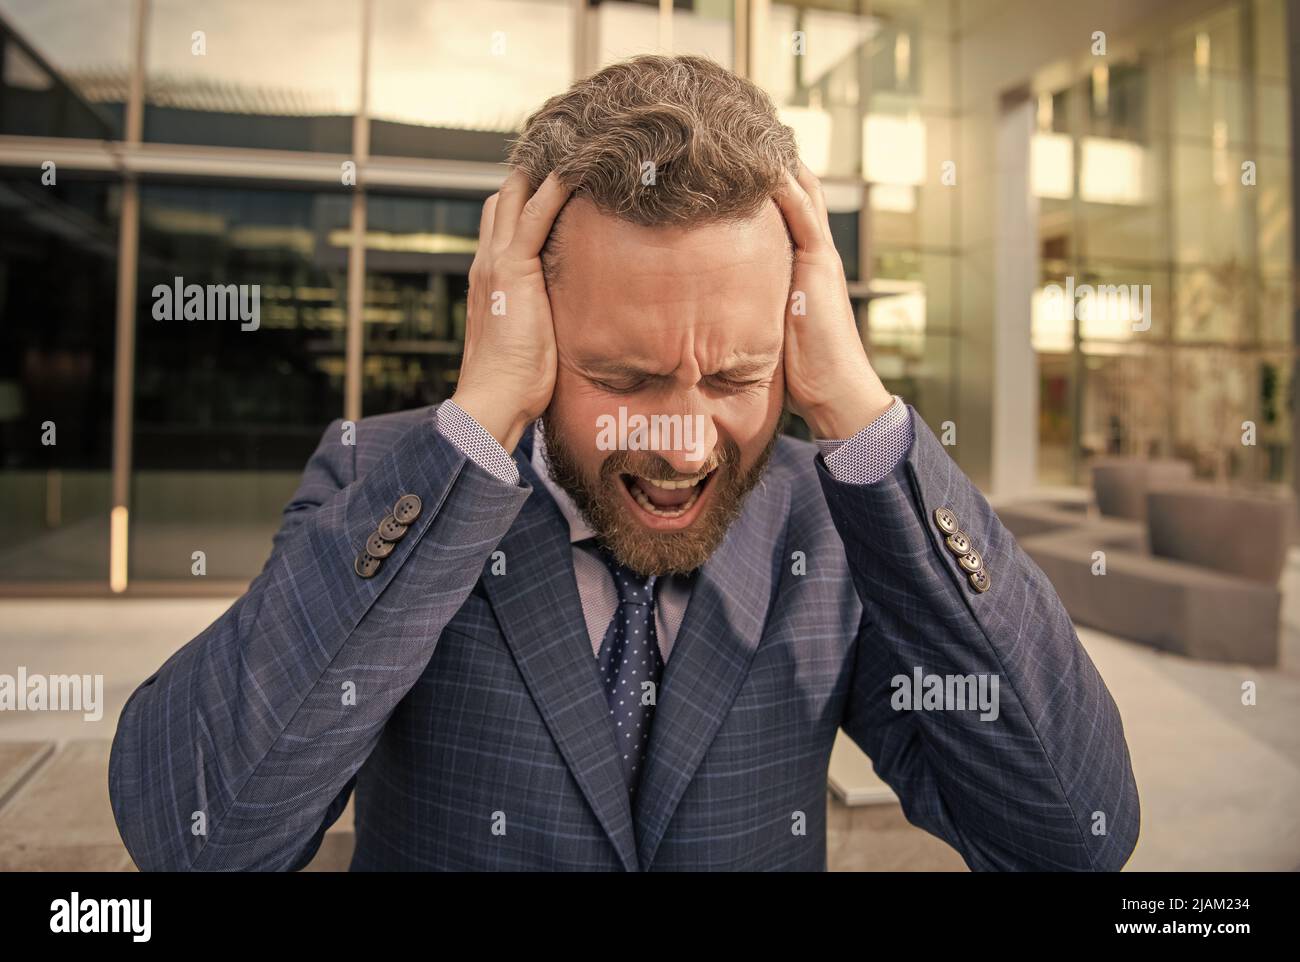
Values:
[(537, 605), (710, 659)]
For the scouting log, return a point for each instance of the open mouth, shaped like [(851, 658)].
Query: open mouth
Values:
[(667, 504)]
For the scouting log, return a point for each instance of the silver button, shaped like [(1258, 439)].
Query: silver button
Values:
[(958, 543), (946, 520)]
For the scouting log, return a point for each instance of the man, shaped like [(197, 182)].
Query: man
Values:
[(594, 612)]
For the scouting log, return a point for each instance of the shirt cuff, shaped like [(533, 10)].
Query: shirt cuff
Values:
[(472, 440), (874, 452)]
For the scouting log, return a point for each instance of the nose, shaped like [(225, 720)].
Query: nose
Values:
[(688, 446)]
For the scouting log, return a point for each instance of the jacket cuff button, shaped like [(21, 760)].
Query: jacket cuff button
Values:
[(366, 566), (407, 508)]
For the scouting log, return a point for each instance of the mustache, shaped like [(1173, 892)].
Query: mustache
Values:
[(657, 468)]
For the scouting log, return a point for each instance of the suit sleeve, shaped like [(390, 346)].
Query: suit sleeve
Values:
[(242, 748), (1045, 783)]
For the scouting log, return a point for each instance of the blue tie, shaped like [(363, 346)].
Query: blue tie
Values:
[(629, 659)]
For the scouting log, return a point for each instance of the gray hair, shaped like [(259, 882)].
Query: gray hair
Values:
[(709, 140)]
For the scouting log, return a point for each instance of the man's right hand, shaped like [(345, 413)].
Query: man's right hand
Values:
[(507, 373)]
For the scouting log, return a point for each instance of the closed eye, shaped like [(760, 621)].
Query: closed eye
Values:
[(733, 384), (716, 381), (620, 387)]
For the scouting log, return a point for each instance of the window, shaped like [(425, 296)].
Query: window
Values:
[(418, 253), (246, 73), (64, 67), (448, 80), (56, 376), (228, 410)]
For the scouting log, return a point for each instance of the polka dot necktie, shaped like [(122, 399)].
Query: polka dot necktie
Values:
[(630, 667)]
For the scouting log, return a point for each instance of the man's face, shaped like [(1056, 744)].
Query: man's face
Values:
[(682, 329)]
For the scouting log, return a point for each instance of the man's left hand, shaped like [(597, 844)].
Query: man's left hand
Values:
[(828, 380)]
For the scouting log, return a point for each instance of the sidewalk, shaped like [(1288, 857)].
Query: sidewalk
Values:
[(1219, 782)]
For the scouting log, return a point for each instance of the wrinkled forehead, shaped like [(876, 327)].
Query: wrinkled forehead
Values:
[(716, 289), (581, 218)]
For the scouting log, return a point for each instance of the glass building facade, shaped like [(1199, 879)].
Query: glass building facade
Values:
[(336, 154), (1170, 168)]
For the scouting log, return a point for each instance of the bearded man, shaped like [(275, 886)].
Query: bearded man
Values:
[(522, 647)]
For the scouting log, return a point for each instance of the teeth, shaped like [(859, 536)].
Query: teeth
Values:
[(673, 485), (676, 512)]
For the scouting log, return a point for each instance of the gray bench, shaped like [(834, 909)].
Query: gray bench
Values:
[(1025, 519), (1120, 485), (1170, 605)]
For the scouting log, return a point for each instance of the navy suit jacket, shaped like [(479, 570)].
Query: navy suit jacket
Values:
[(462, 705)]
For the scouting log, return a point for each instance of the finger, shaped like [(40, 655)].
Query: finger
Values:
[(538, 217), (485, 220), (801, 215), (514, 193), (813, 188)]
